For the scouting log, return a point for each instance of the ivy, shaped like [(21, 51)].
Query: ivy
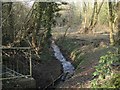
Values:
[(104, 68)]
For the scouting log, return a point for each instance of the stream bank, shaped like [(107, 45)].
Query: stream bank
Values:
[(47, 72), (66, 67)]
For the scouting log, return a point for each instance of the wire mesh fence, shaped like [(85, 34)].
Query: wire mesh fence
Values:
[(16, 62)]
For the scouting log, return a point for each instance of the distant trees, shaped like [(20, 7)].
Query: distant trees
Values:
[(96, 11), (12, 20), (9, 21), (102, 13), (93, 14), (91, 21), (85, 17)]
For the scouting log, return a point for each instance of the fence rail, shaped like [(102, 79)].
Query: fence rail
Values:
[(16, 62)]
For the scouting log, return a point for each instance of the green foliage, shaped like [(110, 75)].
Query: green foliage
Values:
[(43, 20), (103, 70), (113, 82), (116, 81)]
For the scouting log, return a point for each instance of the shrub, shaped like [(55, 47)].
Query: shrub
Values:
[(103, 70)]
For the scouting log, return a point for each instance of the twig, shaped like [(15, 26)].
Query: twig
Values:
[(25, 22)]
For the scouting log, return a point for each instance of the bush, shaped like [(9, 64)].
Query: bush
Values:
[(105, 70)]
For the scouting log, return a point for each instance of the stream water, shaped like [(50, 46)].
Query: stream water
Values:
[(68, 68)]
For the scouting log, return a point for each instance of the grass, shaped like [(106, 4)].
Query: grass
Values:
[(86, 55), (79, 49)]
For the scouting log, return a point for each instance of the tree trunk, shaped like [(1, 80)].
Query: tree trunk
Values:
[(85, 18), (0, 26), (111, 22), (95, 14), (49, 22), (118, 34), (65, 32), (39, 18), (11, 22), (85, 12)]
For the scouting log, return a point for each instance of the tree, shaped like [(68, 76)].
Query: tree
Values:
[(8, 27), (33, 27), (118, 25), (44, 19), (11, 21), (94, 18), (111, 22), (93, 14), (85, 16), (13, 15)]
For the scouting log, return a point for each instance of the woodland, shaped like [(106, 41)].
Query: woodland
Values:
[(40, 40)]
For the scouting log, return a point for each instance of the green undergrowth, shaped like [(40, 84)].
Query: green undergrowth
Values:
[(107, 75), (111, 82)]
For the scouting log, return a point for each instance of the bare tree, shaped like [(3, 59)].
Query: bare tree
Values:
[(94, 18), (85, 12), (93, 14), (10, 22)]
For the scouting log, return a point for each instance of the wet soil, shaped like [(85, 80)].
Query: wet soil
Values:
[(46, 72)]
